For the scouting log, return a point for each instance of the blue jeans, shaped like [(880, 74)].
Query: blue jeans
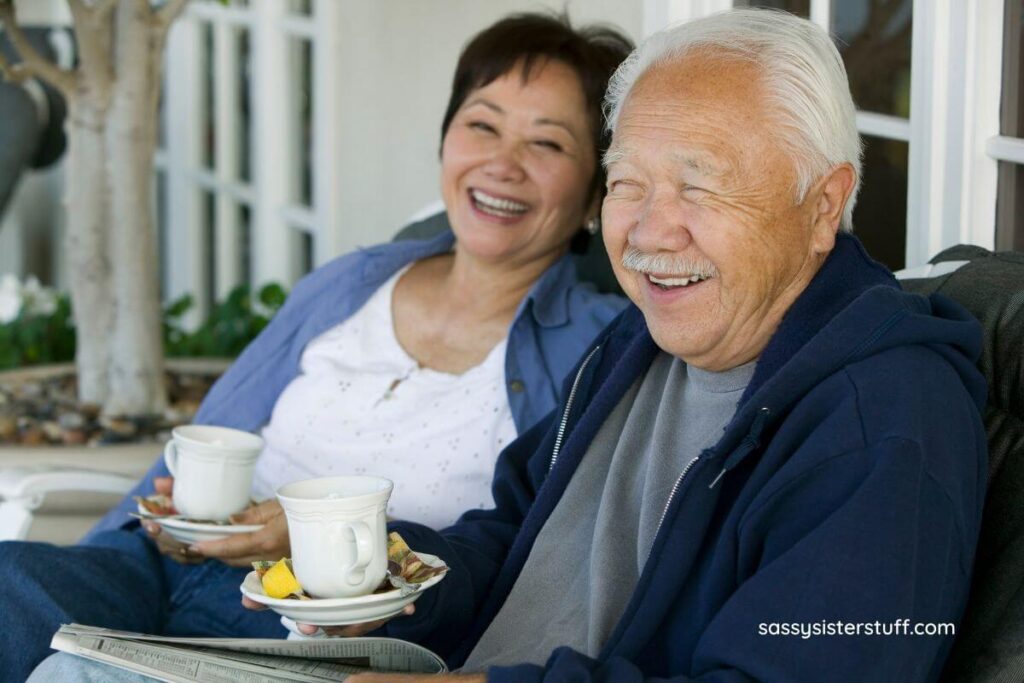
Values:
[(67, 668), (118, 581)]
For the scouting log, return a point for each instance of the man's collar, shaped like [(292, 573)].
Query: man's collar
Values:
[(846, 274)]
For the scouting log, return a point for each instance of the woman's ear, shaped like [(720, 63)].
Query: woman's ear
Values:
[(593, 208)]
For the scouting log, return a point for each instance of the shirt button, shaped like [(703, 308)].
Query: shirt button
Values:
[(517, 386)]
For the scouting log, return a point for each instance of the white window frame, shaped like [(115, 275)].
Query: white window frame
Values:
[(275, 218), (956, 83), (953, 129)]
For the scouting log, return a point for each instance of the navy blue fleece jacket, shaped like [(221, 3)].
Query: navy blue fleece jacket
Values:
[(848, 487)]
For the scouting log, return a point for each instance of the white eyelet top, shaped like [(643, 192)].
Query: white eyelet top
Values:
[(361, 405)]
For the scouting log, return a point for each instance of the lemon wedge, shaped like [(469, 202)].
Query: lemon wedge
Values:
[(279, 582)]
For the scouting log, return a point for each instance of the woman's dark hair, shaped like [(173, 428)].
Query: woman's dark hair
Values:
[(593, 52)]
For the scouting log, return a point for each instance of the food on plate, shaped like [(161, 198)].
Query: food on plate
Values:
[(279, 581)]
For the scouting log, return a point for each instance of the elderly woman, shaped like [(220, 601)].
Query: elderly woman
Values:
[(412, 360)]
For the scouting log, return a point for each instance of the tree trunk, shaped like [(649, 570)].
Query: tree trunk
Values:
[(86, 246), (111, 242), (136, 373)]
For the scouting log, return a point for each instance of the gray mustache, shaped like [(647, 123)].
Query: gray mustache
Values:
[(666, 264)]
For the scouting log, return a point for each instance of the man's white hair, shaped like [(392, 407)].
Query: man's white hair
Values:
[(803, 76)]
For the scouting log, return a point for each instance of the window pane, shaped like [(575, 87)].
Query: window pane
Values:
[(244, 119), (880, 218), (801, 8), (1013, 67), (1010, 207), (302, 113), (301, 6), (205, 298), (208, 124), (1010, 200), (873, 37), (301, 253), (245, 242), (307, 253)]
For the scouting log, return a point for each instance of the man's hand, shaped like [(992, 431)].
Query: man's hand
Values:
[(417, 678), (350, 631), (269, 543)]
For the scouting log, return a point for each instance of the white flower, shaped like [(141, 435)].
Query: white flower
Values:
[(10, 298), (38, 300)]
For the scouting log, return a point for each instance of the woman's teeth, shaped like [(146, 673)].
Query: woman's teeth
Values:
[(504, 208), (670, 282)]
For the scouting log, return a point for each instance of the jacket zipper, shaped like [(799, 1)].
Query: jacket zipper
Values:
[(671, 497), (561, 435), (752, 438), (750, 442), (568, 407)]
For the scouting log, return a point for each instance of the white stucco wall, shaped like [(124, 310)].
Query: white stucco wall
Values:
[(400, 56)]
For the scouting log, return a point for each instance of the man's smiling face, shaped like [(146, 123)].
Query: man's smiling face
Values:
[(700, 220)]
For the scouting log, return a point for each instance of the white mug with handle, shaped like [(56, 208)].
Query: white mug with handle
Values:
[(338, 532), (212, 469)]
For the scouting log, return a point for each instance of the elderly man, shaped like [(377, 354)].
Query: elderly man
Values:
[(772, 468)]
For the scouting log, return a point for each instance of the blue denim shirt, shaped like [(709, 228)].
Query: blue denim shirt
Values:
[(555, 322)]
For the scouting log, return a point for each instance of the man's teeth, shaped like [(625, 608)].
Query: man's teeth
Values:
[(496, 206), (665, 282)]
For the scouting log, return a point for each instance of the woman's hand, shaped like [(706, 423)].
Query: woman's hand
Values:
[(164, 486), (176, 550), (269, 543), (173, 549)]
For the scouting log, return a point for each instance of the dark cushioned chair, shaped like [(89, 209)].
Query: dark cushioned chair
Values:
[(990, 644)]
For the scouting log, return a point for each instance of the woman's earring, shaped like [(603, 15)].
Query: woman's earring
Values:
[(593, 226)]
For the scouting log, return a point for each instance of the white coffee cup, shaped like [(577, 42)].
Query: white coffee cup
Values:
[(338, 532), (212, 469)]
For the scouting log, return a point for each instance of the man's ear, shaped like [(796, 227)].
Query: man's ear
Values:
[(830, 195)]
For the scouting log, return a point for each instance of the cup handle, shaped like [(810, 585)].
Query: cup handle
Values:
[(364, 551), (171, 457)]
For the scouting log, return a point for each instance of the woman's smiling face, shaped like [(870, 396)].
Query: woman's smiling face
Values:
[(517, 165)]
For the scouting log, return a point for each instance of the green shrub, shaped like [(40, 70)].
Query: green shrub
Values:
[(46, 334), (35, 337), (232, 324)]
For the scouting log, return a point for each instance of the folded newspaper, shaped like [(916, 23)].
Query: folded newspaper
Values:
[(247, 660)]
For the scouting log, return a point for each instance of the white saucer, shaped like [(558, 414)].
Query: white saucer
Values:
[(188, 532), (340, 611), (194, 532)]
